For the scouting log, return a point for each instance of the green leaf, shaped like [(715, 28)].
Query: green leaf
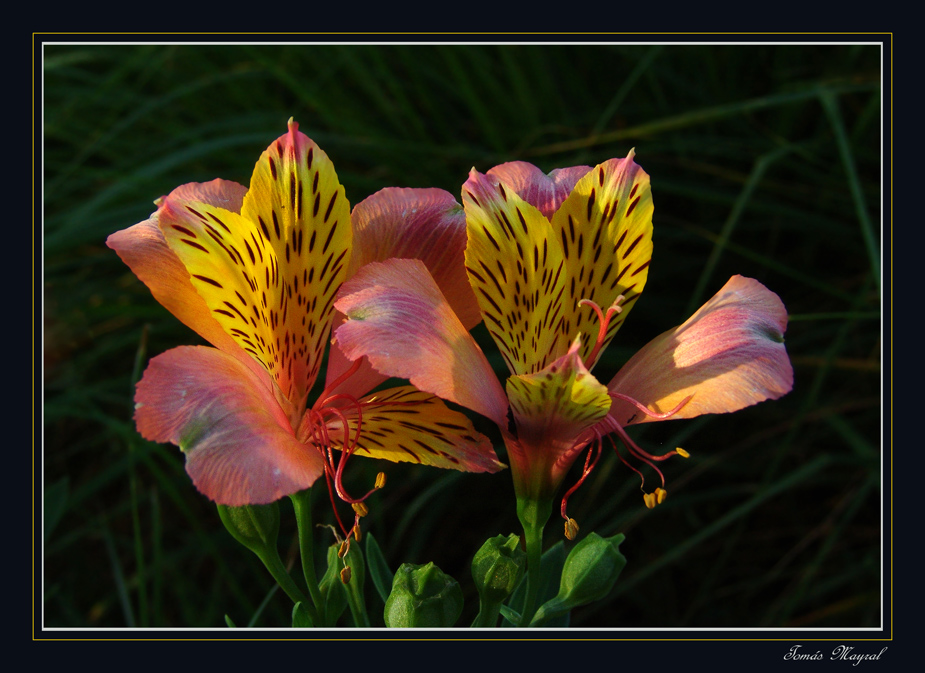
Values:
[(231, 624), (511, 616), (379, 571), (301, 619)]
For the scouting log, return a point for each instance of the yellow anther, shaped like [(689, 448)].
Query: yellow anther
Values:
[(360, 508), (345, 575), (357, 533), (380, 480), (571, 529), (650, 500), (344, 548), (660, 495), (681, 452)]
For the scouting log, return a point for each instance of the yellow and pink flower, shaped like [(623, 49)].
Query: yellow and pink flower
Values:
[(254, 271), (556, 263)]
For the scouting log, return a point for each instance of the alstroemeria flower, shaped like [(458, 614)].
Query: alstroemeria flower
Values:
[(254, 271), (556, 263)]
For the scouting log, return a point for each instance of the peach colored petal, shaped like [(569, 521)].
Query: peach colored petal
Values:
[(240, 447), (397, 317), (730, 354)]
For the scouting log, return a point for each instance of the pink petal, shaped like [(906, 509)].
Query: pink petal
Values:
[(730, 354), (240, 447), (544, 192), (219, 193), (398, 318), (425, 224), (358, 382)]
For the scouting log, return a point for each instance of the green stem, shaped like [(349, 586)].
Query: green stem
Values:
[(533, 516), (302, 504), (487, 616), (275, 565)]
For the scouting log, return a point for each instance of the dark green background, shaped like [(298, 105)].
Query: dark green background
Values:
[(765, 160)]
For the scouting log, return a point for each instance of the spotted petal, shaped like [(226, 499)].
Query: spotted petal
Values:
[(605, 229), (407, 425), (552, 409), (517, 271), (269, 274), (399, 319), (146, 252), (730, 354), (240, 448)]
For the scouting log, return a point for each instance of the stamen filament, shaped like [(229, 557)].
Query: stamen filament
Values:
[(648, 412), (324, 397), (604, 323), (642, 455), (595, 450)]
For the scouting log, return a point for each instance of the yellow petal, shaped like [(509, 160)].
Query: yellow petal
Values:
[(604, 229), (408, 425), (516, 272)]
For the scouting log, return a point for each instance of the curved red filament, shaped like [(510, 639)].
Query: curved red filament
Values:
[(595, 451)]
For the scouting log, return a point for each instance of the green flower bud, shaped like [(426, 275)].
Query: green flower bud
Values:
[(332, 588), (589, 573), (498, 567), (423, 596), (254, 526)]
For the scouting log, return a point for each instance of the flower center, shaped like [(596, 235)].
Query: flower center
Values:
[(327, 427)]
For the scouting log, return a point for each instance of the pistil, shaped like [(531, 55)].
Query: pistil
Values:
[(604, 321)]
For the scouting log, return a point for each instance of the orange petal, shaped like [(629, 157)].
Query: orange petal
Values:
[(240, 447), (730, 354)]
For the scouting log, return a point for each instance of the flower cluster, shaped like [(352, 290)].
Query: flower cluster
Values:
[(552, 264)]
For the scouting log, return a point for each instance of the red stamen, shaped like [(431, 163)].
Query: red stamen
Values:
[(642, 455), (595, 449), (604, 321), (325, 395), (648, 412), (627, 463)]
